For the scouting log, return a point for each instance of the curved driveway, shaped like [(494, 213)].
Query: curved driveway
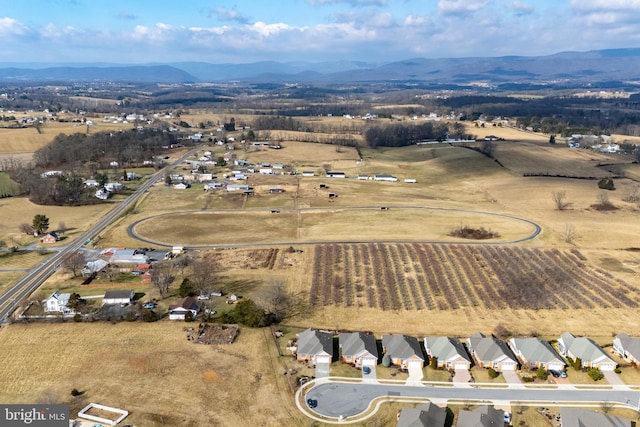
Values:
[(349, 399), (536, 228)]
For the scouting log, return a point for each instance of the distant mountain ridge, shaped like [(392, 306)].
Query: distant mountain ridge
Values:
[(576, 67)]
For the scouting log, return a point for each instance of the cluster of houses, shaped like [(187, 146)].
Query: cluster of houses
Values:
[(431, 415), (360, 349), (58, 302)]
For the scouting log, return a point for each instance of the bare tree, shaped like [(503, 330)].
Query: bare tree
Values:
[(603, 200), (111, 271), (202, 272), (162, 276), (488, 148), (560, 200), (631, 194), (73, 262), (569, 233), (26, 228), (279, 302), (62, 227), (606, 406)]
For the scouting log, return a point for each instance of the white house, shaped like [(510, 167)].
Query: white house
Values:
[(179, 310), (118, 297), (91, 183), (102, 194), (113, 187), (627, 347), (181, 186), (589, 352), (537, 353), (331, 174), (57, 302)]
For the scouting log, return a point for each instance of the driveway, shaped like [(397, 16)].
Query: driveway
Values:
[(371, 377), (462, 376), (613, 378), (322, 370), (512, 378), (415, 374)]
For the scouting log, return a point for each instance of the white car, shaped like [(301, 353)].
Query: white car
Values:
[(507, 418)]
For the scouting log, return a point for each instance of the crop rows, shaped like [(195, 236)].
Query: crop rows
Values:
[(417, 276)]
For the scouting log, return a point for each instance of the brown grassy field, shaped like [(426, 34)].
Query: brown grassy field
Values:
[(150, 370)]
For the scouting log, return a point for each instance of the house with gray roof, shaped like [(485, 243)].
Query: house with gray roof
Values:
[(358, 349), (314, 347), (427, 415), (449, 352), (572, 417), (119, 296), (589, 352), (57, 302), (627, 347), (490, 352), (403, 350), (484, 416), (537, 353)]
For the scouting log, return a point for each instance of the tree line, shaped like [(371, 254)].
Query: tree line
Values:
[(400, 135)]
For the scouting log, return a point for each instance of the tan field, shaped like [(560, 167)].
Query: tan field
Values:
[(151, 370)]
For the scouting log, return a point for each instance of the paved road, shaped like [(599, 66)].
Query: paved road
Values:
[(337, 399), (131, 230), (10, 299)]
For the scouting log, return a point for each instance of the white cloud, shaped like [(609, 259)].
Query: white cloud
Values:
[(605, 4), (521, 8), (10, 26), (224, 14), (461, 6), (352, 3)]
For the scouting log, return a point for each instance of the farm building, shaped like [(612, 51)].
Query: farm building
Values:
[(308, 173), (113, 187), (119, 296), (128, 257), (410, 181), (364, 177), (385, 177), (273, 190), (179, 310), (93, 267), (331, 174), (238, 187)]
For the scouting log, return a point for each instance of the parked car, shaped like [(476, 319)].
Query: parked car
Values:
[(312, 403), (366, 370), (507, 418), (555, 374), (563, 374)]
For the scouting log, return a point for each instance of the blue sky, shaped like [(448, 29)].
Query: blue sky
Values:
[(238, 31)]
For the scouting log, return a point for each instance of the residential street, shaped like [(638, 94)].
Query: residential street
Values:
[(336, 399)]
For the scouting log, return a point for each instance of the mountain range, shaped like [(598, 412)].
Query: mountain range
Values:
[(575, 68)]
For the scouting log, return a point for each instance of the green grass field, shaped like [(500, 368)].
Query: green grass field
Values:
[(8, 188)]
